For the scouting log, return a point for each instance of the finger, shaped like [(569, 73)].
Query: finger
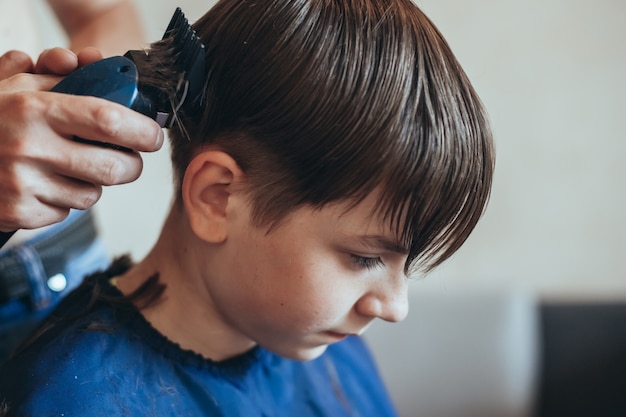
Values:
[(14, 62), (29, 82), (59, 61), (64, 192), (93, 164), (103, 121), (34, 195), (42, 215), (88, 55), (30, 214)]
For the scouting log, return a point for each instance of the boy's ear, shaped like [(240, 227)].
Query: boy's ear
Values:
[(206, 191)]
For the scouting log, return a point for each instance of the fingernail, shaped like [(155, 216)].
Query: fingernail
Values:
[(160, 139)]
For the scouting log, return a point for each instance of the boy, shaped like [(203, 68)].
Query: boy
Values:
[(339, 148)]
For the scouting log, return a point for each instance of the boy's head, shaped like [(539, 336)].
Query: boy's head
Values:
[(329, 101)]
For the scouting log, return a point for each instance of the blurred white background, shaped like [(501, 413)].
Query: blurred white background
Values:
[(552, 76)]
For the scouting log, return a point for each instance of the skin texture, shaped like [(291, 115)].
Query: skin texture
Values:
[(113, 26), (43, 171), (316, 277)]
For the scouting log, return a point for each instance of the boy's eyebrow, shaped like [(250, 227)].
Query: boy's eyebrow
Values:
[(383, 242)]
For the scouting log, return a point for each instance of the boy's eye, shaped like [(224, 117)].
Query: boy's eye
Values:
[(362, 262)]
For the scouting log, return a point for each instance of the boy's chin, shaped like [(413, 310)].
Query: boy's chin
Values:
[(303, 354)]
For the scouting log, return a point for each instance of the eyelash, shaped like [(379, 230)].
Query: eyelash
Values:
[(364, 262)]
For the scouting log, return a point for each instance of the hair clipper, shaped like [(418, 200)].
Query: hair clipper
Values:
[(117, 79)]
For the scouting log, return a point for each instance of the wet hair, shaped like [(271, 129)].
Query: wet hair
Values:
[(323, 101)]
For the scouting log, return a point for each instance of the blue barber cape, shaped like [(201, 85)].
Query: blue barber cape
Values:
[(111, 362)]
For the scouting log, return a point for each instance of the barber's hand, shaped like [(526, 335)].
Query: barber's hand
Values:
[(43, 172), (56, 61)]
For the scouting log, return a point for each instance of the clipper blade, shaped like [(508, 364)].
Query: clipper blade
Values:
[(187, 57)]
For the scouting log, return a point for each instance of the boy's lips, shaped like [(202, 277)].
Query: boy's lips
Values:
[(336, 335), (340, 334)]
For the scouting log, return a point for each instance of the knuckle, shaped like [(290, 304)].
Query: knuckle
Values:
[(28, 105), (109, 120), (113, 172), (90, 197)]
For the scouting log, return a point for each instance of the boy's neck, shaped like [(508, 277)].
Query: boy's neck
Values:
[(185, 313)]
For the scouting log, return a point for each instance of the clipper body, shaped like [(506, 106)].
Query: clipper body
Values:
[(117, 79)]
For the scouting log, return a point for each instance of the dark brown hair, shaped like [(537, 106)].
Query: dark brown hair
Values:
[(322, 101)]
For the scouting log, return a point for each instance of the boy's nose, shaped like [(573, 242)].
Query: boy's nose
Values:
[(390, 303)]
